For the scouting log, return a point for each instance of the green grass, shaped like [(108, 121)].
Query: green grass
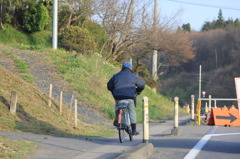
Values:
[(24, 70), (15, 38), (11, 149), (22, 66), (89, 75), (28, 78)]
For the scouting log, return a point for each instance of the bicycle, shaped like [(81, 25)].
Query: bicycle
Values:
[(123, 121)]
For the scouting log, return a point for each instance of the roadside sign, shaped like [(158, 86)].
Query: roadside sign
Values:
[(237, 83), (224, 116)]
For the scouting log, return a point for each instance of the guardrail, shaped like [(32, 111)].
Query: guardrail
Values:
[(215, 105)]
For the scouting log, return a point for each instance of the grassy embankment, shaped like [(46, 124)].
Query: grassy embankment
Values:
[(10, 149), (87, 74)]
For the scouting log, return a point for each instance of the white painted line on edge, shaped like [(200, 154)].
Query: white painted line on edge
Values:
[(225, 134), (198, 147)]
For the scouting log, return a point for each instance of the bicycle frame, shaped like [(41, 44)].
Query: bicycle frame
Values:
[(123, 116), (123, 120)]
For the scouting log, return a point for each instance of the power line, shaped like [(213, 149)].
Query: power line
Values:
[(205, 5)]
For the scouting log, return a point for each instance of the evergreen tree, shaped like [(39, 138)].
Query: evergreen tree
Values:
[(220, 20), (186, 27), (237, 22), (209, 26)]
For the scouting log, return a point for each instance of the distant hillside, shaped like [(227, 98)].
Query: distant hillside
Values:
[(218, 52)]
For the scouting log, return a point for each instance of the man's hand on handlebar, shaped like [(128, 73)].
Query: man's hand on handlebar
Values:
[(138, 93)]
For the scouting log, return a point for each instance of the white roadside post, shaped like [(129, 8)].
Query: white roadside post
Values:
[(176, 130), (210, 105), (176, 112), (145, 120), (192, 106), (206, 107)]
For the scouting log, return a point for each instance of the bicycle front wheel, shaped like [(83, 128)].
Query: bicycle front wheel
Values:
[(121, 133)]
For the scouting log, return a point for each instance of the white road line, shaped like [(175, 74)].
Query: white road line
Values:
[(225, 134), (198, 147)]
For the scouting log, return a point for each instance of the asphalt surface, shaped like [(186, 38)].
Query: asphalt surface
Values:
[(193, 141), (50, 147), (198, 142)]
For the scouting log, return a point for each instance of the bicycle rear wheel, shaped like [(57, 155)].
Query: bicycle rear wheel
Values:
[(121, 133), (129, 131)]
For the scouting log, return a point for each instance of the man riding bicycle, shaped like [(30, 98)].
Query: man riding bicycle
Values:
[(126, 85)]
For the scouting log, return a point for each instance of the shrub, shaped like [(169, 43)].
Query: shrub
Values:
[(79, 39), (96, 30), (41, 39), (35, 18)]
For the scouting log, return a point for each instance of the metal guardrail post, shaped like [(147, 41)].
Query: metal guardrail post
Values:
[(145, 120)]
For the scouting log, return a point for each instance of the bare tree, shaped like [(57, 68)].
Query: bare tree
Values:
[(131, 33), (116, 16), (75, 12)]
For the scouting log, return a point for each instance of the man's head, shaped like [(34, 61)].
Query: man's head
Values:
[(126, 65)]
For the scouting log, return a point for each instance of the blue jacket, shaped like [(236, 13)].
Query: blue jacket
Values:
[(125, 85)]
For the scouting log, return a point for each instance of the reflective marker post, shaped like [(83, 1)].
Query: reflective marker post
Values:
[(176, 130), (198, 121), (145, 120), (192, 107), (176, 112)]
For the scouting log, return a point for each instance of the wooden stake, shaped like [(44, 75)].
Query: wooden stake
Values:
[(61, 94), (75, 119), (13, 105), (50, 96)]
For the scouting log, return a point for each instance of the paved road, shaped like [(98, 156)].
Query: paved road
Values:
[(200, 142), (223, 143), (102, 148)]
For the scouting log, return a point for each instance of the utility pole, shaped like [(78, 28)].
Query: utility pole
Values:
[(155, 24), (200, 81), (55, 24)]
